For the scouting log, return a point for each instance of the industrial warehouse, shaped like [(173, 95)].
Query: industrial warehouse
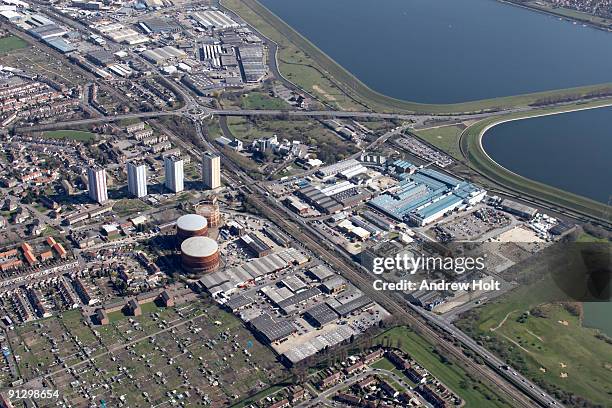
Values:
[(289, 300), (193, 195), (425, 196), (418, 196), (295, 308)]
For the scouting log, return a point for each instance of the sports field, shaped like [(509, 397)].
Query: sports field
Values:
[(547, 343)]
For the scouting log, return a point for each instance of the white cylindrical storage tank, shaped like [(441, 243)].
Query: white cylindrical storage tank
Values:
[(190, 225), (200, 254)]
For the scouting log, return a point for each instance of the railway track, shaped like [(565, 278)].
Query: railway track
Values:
[(515, 397), (512, 394)]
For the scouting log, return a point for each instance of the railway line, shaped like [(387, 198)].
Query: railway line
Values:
[(515, 396), (520, 393)]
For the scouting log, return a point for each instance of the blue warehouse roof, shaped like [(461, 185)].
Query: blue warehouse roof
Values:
[(441, 177), (423, 194), (443, 204)]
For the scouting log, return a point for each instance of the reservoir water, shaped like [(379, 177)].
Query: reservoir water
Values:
[(597, 314), (444, 51), (570, 151)]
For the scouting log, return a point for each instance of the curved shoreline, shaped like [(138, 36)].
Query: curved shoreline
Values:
[(552, 13), (354, 88), (492, 125), (479, 160)]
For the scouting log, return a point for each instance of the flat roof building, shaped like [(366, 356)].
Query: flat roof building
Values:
[(158, 25), (164, 55), (256, 245), (516, 208), (215, 19), (272, 331), (321, 273), (211, 170), (320, 315)]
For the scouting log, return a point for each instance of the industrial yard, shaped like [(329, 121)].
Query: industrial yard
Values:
[(193, 215)]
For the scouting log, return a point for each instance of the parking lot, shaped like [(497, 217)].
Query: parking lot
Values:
[(471, 226)]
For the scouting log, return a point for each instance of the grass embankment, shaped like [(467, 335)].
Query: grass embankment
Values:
[(307, 66), (586, 238), (481, 162), (11, 43), (474, 393), (547, 343), (445, 138), (70, 134)]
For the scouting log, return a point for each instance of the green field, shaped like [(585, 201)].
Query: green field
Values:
[(11, 43), (128, 206), (243, 129), (307, 66), (481, 162), (548, 344), (331, 147), (260, 100), (79, 135), (445, 138), (474, 393), (384, 364)]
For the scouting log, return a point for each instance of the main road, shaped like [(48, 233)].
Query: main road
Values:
[(202, 113), (519, 390)]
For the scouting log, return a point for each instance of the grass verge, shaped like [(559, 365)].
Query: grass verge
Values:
[(473, 392)]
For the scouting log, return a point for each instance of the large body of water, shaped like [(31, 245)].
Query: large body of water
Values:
[(597, 314), (570, 151), (445, 51)]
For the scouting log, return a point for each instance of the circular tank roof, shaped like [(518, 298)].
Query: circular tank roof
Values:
[(191, 222), (199, 247)]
